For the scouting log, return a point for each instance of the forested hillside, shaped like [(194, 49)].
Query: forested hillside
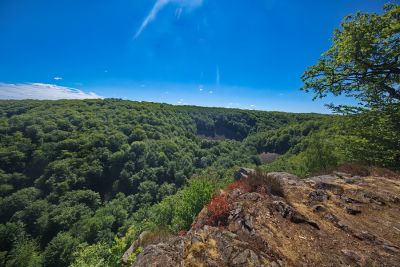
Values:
[(77, 171)]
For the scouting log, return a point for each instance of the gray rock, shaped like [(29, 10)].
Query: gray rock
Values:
[(342, 174), (374, 198), (318, 208), (391, 249), (322, 178), (352, 257), (364, 235), (351, 180), (284, 177), (162, 255), (342, 225), (334, 188), (318, 196), (352, 211), (246, 258), (243, 173), (351, 200), (332, 218), (134, 247), (290, 213)]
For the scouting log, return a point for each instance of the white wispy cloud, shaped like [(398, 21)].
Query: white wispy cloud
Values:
[(178, 12), (42, 91), (58, 78), (233, 105), (217, 76), (160, 4)]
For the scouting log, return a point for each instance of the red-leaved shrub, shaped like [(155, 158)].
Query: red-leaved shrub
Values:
[(218, 211), (241, 185)]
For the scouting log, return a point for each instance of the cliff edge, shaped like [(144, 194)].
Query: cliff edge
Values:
[(329, 220)]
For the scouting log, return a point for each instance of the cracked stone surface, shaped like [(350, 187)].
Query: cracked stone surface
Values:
[(330, 220)]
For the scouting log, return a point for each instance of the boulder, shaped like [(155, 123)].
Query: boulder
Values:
[(243, 173), (284, 177)]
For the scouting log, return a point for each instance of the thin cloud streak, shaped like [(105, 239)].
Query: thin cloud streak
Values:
[(42, 91), (151, 16), (159, 5), (218, 77)]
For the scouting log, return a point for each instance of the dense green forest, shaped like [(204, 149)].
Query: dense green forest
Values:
[(81, 179), (76, 171)]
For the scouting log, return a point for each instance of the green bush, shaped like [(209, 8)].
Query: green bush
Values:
[(320, 154)]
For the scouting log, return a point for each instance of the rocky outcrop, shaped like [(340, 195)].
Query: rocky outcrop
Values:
[(243, 173), (331, 220)]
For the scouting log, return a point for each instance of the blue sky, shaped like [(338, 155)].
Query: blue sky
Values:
[(241, 54)]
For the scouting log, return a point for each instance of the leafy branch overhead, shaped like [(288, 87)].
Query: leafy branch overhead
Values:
[(363, 61)]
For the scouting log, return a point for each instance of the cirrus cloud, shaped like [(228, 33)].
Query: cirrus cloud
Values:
[(42, 91), (160, 4)]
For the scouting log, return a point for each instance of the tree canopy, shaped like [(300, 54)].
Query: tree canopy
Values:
[(75, 173), (363, 61)]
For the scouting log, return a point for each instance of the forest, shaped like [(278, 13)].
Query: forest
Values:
[(76, 172), (81, 179), (82, 173)]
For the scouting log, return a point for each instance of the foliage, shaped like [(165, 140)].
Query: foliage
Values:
[(60, 250), (91, 256), (318, 153), (81, 179), (132, 257), (217, 210), (363, 61), (372, 138), (26, 253), (102, 254), (177, 212), (76, 173)]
